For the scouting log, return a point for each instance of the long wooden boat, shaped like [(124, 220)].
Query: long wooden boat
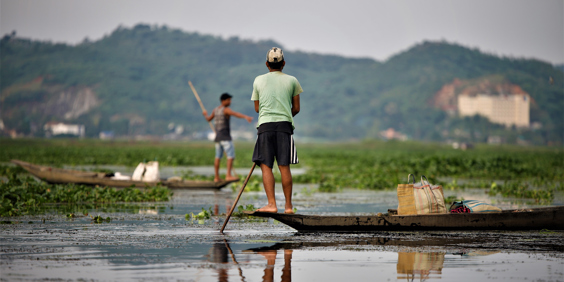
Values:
[(58, 176), (551, 218)]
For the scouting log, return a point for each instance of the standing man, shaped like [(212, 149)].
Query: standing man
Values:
[(277, 101), (223, 141)]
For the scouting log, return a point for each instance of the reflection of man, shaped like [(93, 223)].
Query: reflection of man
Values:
[(287, 270), (270, 256), (218, 254)]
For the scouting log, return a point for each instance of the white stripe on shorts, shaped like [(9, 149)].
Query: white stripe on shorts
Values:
[(293, 152)]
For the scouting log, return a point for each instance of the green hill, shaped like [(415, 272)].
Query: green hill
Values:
[(134, 81)]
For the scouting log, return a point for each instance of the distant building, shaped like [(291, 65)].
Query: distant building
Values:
[(391, 134), (503, 109), (462, 146), (106, 135), (59, 128), (495, 139)]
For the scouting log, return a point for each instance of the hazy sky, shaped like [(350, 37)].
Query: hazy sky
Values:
[(376, 29)]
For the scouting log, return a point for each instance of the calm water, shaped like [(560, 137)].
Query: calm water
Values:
[(156, 242)]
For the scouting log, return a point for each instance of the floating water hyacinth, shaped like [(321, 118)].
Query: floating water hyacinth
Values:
[(24, 195)]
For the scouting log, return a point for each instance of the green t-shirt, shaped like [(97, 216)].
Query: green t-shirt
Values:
[(274, 91)]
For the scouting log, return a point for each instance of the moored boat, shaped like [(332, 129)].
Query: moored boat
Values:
[(551, 218), (61, 176)]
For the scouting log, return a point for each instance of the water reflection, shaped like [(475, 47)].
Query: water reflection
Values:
[(270, 257), (219, 254), (162, 250), (411, 264), (414, 265)]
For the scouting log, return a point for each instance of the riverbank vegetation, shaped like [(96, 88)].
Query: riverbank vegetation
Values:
[(21, 195), (119, 75), (511, 171)]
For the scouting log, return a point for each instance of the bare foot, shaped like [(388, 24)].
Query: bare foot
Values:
[(217, 179), (289, 209), (268, 208), (231, 178)]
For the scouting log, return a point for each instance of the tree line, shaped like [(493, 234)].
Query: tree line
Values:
[(141, 74)]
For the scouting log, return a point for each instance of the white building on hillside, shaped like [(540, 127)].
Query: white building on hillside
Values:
[(503, 109), (59, 128)]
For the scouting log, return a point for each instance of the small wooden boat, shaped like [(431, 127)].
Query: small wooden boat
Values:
[(551, 218), (61, 176)]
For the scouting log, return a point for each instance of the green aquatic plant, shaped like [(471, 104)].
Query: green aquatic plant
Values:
[(6, 170), (59, 152), (450, 199), (204, 214), (190, 175), (100, 219), (328, 184), (254, 185), (384, 166), (21, 196), (240, 211), (547, 232), (75, 215), (452, 185), (521, 189), (331, 167), (24, 195), (102, 170)]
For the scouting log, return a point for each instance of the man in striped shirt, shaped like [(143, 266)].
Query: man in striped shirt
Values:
[(277, 100)]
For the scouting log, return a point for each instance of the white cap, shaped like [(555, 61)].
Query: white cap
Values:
[(275, 55)]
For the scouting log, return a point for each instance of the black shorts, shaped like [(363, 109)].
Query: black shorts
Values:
[(273, 144)]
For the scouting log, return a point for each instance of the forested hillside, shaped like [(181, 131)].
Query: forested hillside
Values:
[(134, 81)]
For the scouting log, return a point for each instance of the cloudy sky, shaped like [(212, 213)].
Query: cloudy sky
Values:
[(354, 28)]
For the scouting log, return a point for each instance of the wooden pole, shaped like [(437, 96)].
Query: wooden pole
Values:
[(238, 196), (200, 102), (234, 260)]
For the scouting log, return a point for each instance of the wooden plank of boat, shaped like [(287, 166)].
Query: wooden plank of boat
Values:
[(62, 176), (524, 219)]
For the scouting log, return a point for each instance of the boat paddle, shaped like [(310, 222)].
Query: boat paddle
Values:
[(238, 196), (200, 102)]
